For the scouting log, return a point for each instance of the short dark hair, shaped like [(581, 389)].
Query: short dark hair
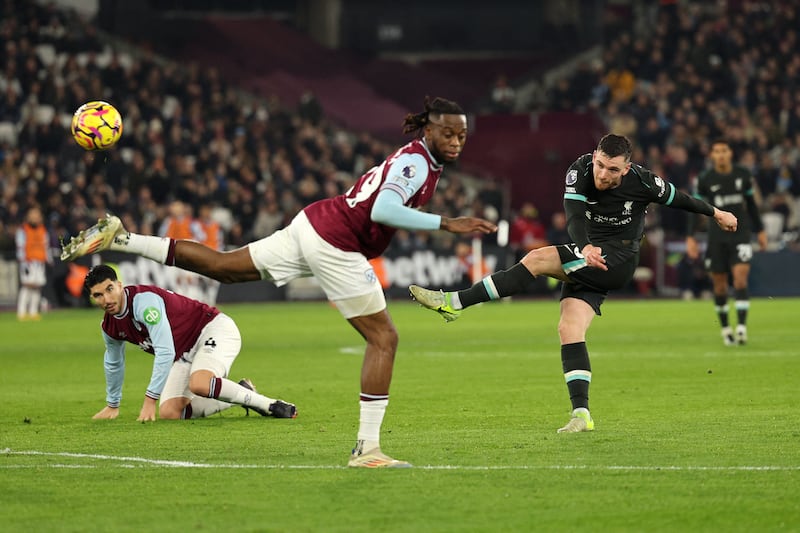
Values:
[(721, 140), (415, 122), (615, 145), (98, 274)]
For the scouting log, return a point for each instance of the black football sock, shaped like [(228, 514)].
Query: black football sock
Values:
[(499, 285), (577, 373), (721, 306), (742, 299)]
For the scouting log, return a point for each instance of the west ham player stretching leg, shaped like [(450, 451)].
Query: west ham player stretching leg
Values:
[(193, 347), (333, 239), (605, 201)]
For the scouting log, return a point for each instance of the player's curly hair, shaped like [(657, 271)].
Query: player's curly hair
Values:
[(614, 145), (98, 274), (416, 122)]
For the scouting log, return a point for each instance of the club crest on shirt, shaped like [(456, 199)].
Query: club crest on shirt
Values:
[(572, 177), (409, 171)]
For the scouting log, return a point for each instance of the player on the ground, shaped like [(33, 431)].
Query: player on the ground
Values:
[(728, 186), (333, 239), (605, 201), (33, 252), (193, 346)]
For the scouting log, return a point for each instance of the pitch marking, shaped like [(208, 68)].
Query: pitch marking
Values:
[(190, 464)]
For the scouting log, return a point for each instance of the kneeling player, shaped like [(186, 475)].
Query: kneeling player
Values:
[(194, 346)]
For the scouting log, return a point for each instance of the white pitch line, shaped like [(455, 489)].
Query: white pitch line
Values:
[(189, 464)]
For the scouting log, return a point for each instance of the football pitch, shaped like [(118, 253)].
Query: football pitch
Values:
[(691, 435)]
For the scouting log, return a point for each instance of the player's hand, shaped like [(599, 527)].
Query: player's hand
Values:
[(762, 240), (107, 413), (692, 250), (725, 220), (467, 225), (148, 412), (594, 257)]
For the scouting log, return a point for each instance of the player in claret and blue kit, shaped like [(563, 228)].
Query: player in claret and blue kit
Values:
[(193, 344), (332, 240)]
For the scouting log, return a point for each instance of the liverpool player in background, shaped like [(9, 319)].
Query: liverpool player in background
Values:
[(332, 240), (730, 187), (193, 346), (605, 200)]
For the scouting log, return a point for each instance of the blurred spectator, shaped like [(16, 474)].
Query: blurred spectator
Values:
[(527, 232), (557, 232), (178, 224), (503, 95)]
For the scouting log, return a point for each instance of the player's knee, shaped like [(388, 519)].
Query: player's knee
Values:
[(170, 411), (200, 383), (570, 329), (385, 339)]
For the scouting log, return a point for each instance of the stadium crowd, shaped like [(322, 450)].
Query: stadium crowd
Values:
[(700, 71), (189, 136)]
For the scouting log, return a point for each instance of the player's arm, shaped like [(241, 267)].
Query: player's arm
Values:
[(578, 229), (149, 309), (405, 177), (575, 209), (114, 368), (671, 197)]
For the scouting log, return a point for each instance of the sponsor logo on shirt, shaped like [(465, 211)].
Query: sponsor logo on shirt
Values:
[(152, 316), (661, 185)]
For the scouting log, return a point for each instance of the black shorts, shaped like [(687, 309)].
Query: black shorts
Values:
[(722, 255), (592, 284)]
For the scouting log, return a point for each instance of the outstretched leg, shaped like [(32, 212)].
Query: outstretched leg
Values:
[(540, 262), (109, 234)]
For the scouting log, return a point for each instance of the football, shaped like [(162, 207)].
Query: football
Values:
[(96, 126)]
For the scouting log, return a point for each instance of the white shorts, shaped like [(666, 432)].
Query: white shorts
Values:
[(215, 350), (296, 251), (31, 273)]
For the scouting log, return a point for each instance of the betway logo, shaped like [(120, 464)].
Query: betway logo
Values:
[(146, 272), (425, 268)]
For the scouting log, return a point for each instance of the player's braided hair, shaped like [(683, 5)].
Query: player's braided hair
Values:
[(416, 122), (614, 145), (98, 274)]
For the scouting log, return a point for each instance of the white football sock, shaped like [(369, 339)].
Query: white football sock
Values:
[(22, 301), (234, 393), (202, 407), (455, 301), (35, 296), (155, 248), (369, 429)]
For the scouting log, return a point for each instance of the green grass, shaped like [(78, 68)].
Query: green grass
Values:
[(691, 435)]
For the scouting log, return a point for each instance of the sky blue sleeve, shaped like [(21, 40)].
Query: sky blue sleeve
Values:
[(405, 177), (149, 309), (114, 367)]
